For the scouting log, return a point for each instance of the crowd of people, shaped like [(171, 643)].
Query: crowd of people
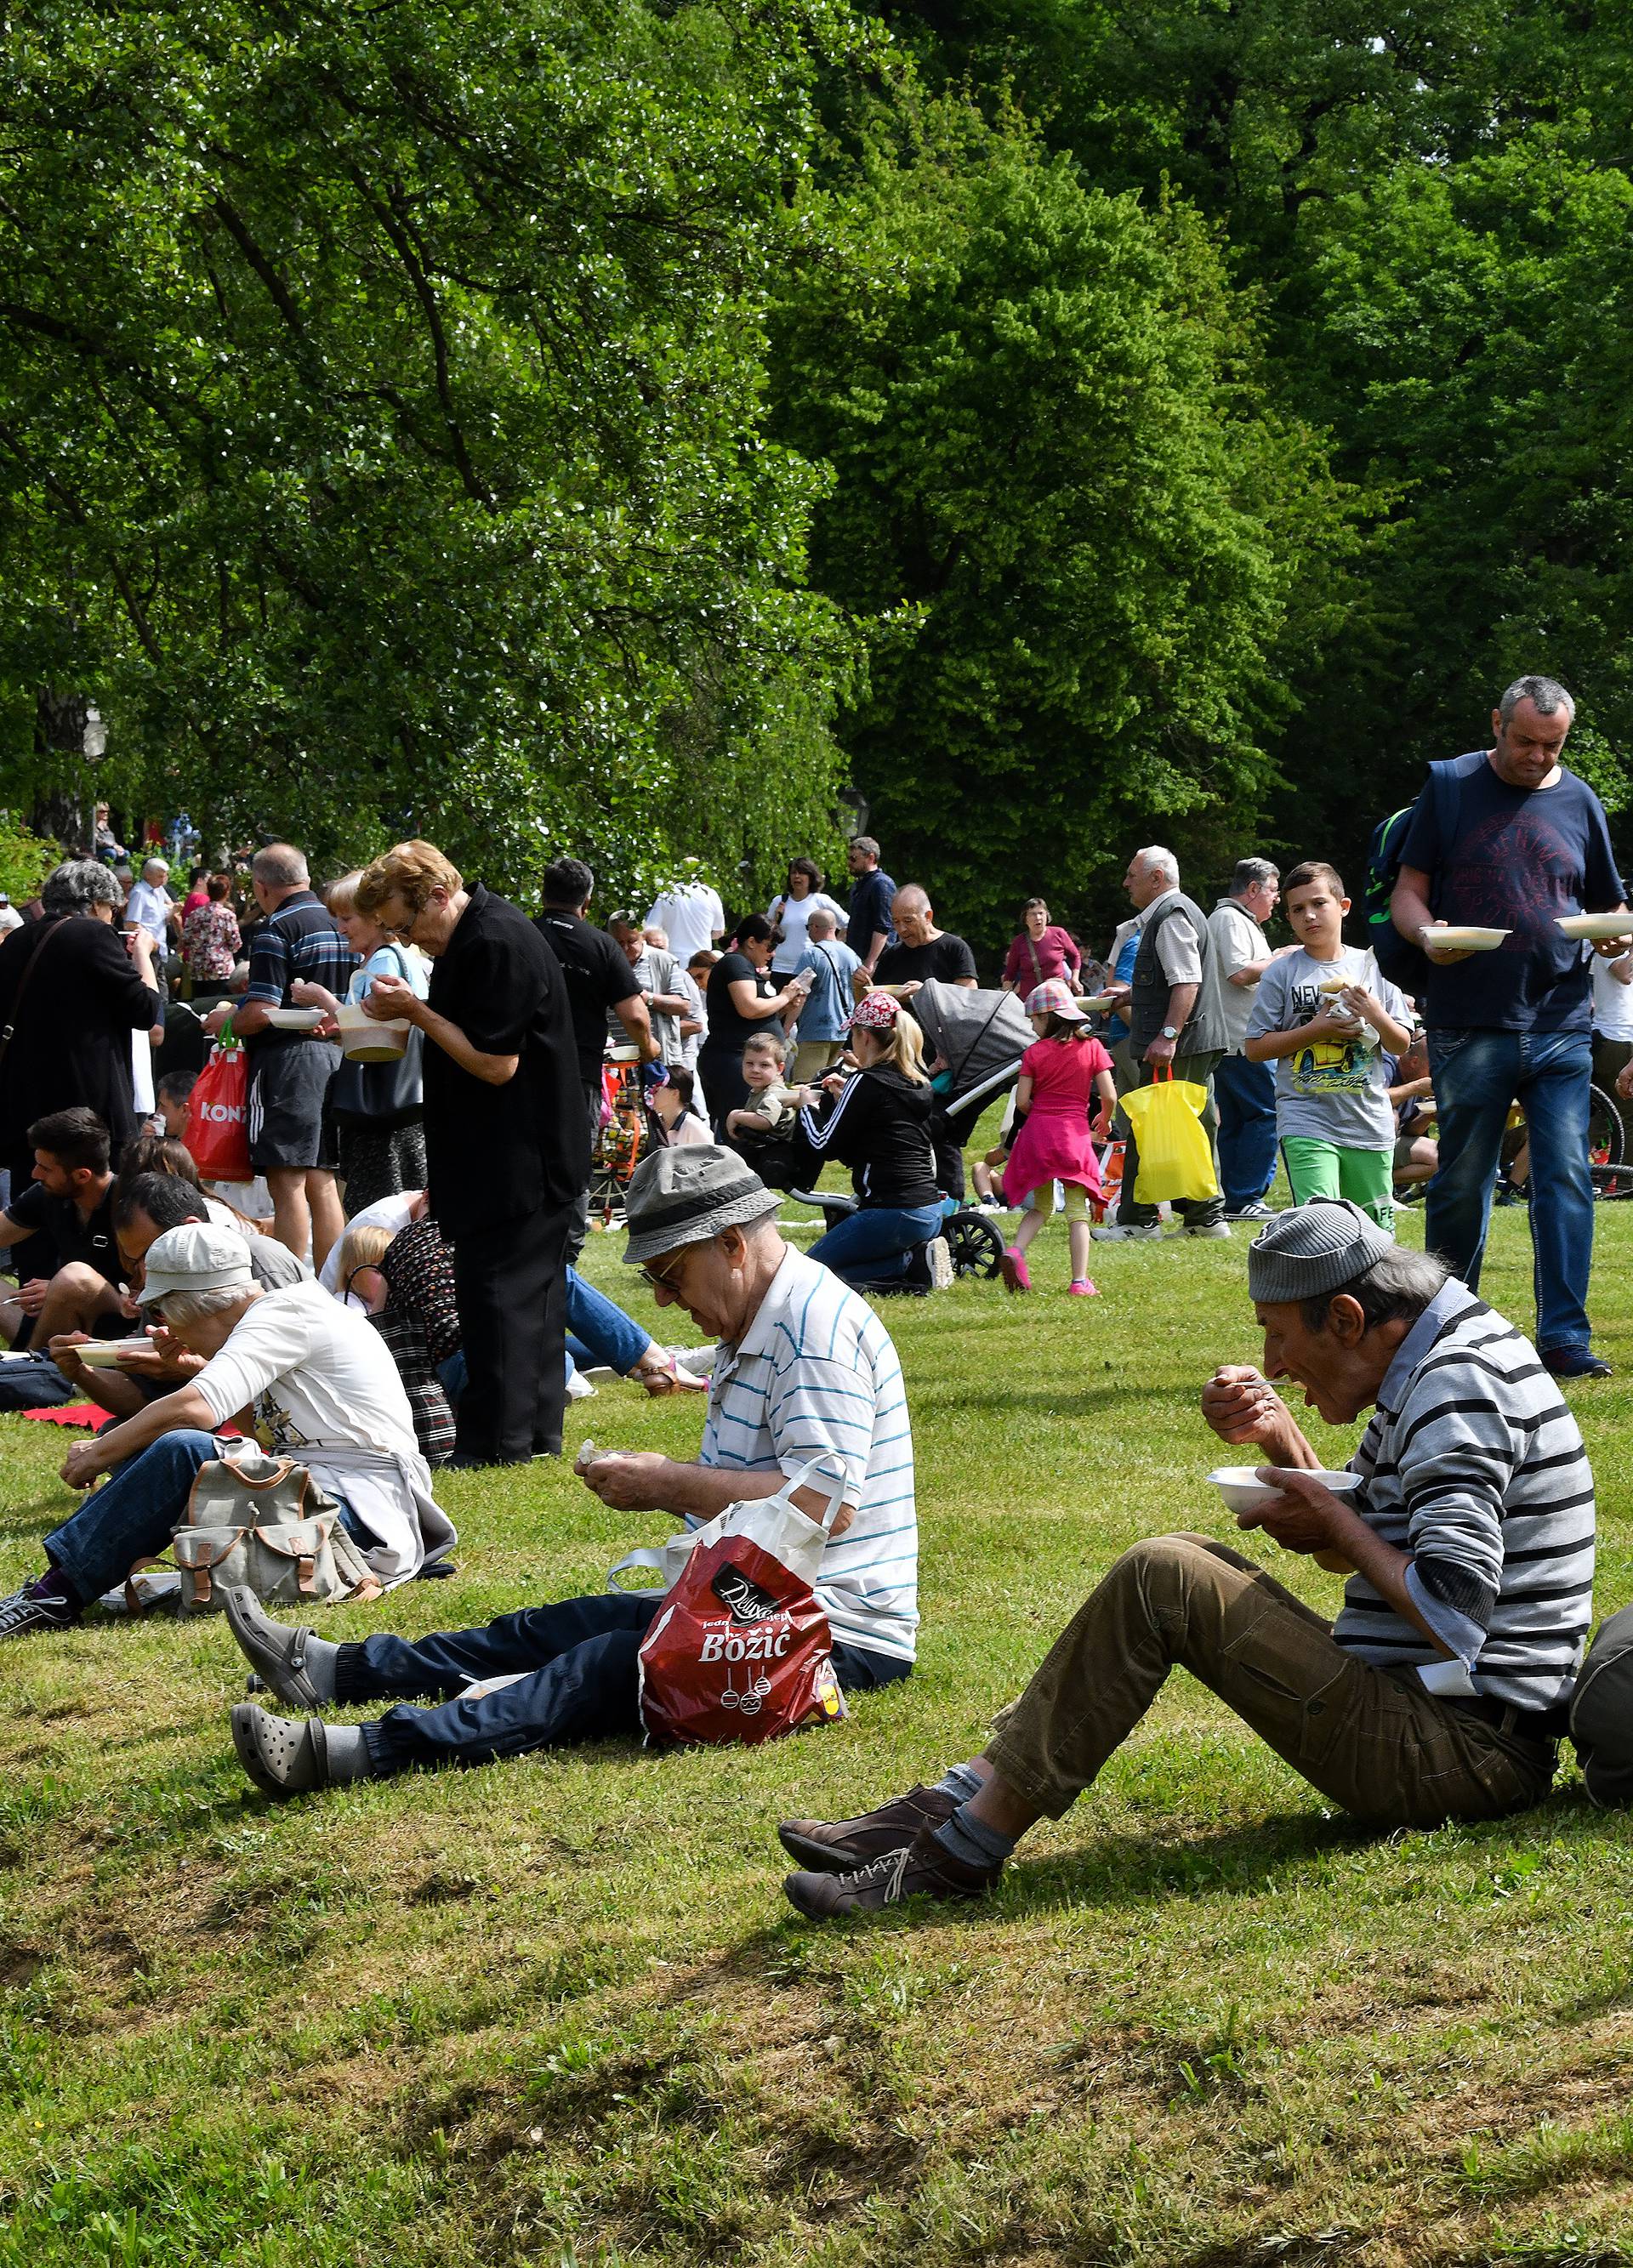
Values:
[(408, 1300)]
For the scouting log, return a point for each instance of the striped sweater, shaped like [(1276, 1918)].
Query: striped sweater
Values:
[(1474, 1465), (816, 1376)]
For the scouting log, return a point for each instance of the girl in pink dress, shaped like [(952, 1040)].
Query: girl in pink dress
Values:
[(1059, 1072)]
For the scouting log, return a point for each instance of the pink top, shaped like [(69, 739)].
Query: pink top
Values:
[(1055, 1144), (1057, 956)]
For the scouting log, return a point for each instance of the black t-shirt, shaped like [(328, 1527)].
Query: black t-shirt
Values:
[(728, 1030), (942, 961), (495, 1152), (72, 1236), (598, 976), (186, 1043), (1514, 859)]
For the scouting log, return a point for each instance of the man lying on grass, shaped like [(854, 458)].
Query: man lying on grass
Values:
[(806, 1370), (1438, 1693)]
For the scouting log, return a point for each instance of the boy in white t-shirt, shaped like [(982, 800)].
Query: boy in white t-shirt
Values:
[(1326, 1019)]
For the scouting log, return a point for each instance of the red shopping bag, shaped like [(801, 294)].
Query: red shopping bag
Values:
[(218, 1117), (739, 1649)]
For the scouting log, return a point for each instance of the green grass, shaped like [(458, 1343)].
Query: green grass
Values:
[(557, 2011)]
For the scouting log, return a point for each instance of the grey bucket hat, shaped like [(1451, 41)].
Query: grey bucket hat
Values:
[(687, 1196), (1314, 1248)]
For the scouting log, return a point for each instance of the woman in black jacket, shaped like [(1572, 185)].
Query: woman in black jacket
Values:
[(73, 990), (878, 1123)]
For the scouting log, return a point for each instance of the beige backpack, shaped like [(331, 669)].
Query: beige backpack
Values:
[(263, 1522)]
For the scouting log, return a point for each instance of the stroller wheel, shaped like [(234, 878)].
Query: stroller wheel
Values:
[(974, 1244)]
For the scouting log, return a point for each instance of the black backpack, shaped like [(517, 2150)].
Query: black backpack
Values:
[(1601, 1713), (1405, 964)]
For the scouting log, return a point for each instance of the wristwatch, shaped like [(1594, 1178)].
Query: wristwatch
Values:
[(1171, 1032)]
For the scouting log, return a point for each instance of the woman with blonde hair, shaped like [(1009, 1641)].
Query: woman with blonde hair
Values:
[(378, 1109), (876, 1120)]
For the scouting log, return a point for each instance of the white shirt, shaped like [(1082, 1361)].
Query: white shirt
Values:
[(149, 908), (691, 915), (794, 915), (325, 1390), (816, 1375), (1179, 951), (10, 919), (1613, 1002), (1238, 941)]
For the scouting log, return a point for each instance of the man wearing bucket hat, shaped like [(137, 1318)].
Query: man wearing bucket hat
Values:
[(805, 1370), (320, 1385), (1436, 1693)]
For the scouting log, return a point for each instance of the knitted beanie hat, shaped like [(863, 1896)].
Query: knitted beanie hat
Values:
[(1314, 1248)]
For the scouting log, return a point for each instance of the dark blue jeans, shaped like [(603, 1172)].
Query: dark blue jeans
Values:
[(1477, 1076), (871, 1246), (581, 1683), (1244, 1094), (131, 1516)]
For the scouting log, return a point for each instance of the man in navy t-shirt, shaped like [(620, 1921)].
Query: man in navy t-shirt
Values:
[(1528, 843)]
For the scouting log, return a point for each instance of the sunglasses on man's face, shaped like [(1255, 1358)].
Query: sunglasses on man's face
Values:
[(662, 1279)]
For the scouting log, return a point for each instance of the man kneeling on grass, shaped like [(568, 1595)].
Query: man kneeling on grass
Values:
[(805, 1370), (1440, 1691)]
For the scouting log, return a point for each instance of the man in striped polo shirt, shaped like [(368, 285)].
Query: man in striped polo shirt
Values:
[(805, 1371), (1440, 1690)]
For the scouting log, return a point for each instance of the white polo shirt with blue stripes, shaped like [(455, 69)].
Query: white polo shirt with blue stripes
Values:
[(816, 1375)]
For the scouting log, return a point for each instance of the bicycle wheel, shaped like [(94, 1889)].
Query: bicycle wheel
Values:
[(1605, 1138)]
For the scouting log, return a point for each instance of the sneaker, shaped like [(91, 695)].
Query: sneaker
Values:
[(1571, 1362), (1210, 1228), (1081, 1288), (941, 1264), (40, 1605), (921, 1868), (1013, 1267), (1257, 1211), (837, 1846), (1111, 1232)]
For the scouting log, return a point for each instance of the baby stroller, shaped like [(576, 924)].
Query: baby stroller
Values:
[(978, 1038)]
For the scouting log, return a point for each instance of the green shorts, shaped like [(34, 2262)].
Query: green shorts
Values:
[(1323, 1169)]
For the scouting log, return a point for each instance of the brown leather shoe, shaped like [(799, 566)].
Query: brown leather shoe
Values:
[(921, 1868), (839, 1846)]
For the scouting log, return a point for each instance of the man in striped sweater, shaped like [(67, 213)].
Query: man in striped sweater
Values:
[(1440, 1691), (805, 1372)]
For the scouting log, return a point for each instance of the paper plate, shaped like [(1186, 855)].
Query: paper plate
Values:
[(1457, 938), (1596, 926)]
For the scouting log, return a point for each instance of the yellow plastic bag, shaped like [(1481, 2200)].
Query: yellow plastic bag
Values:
[(1175, 1160)]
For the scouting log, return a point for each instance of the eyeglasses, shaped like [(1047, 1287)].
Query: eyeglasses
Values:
[(657, 1282)]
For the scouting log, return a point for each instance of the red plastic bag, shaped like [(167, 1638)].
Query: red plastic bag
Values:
[(218, 1117), (740, 1650)]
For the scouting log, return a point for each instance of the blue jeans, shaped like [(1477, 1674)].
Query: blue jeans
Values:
[(1477, 1075), (596, 1332), (131, 1516), (581, 1682), (1244, 1094), (871, 1247)]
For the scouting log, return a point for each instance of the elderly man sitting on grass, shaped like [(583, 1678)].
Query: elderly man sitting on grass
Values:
[(1439, 1690), (311, 1379), (806, 1370)]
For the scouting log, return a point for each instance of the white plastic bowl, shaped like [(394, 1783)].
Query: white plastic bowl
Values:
[(371, 1039), (295, 1020), (103, 1354), (1461, 939), (1243, 1490), (1596, 926)]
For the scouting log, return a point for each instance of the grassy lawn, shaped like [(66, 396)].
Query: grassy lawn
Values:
[(557, 2010)]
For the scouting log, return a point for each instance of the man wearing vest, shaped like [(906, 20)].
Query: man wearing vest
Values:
[(1177, 1021)]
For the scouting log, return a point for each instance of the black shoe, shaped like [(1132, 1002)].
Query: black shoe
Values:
[(1575, 1362), (921, 1868), (837, 1846), (40, 1605)]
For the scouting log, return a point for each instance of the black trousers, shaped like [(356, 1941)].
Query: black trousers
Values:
[(510, 1287)]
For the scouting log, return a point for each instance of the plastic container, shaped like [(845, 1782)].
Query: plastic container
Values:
[(1243, 1490), (366, 1039)]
